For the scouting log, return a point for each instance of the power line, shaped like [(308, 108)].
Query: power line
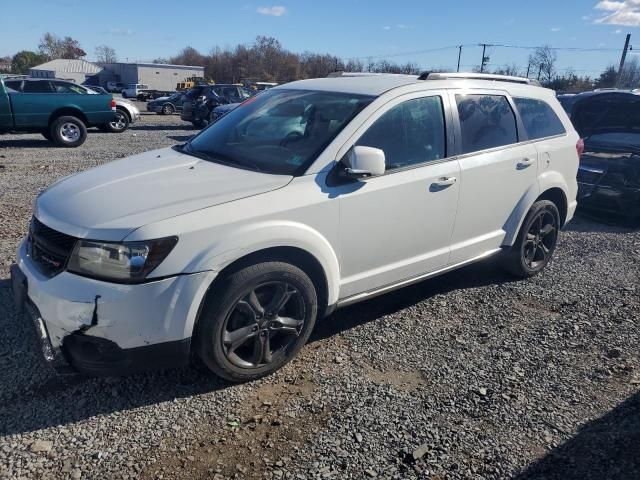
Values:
[(484, 45)]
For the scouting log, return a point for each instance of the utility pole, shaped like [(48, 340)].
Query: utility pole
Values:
[(484, 46), (528, 68), (622, 59), (459, 55)]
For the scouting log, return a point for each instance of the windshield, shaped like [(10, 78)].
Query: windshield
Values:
[(279, 131)]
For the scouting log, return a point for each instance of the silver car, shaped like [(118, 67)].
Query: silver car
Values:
[(126, 112)]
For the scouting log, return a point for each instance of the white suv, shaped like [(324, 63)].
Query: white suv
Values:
[(311, 196)]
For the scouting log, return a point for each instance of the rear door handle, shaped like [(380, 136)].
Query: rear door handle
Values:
[(443, 182), (524, 163)]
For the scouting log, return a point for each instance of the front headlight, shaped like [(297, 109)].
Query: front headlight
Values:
[(126, 262)]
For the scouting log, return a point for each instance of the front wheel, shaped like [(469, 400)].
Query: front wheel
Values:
[(536, 240), (257, 322), (68, 132)]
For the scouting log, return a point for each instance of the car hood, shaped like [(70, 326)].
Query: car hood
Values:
[(605, 113), (160, 99), (110, 201)]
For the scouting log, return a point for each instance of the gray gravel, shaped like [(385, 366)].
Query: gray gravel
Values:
[(470, 375)]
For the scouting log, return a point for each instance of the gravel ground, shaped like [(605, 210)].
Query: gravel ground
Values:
[(469, 375)]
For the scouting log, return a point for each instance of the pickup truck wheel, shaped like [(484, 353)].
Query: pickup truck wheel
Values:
[(119, 124), (536, 240), (68, 132), (257, 321)]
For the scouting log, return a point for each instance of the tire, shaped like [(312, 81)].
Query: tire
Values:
[(120, 124), (67, 131), (536, 241), (263, 342), (168, 109), (124, 95)]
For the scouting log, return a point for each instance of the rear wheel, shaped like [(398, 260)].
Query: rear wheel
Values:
[(259, 320), (68, 132), (536, 240), (168, 109), (120, 122)]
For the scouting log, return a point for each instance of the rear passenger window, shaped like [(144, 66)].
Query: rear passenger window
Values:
[(486, 121), (37, 87), (538, 118), (409, 133)]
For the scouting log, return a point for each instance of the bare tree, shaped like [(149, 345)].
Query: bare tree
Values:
[(630, 75), (544, 61), (511, 70), (105, 54), (54, 47)]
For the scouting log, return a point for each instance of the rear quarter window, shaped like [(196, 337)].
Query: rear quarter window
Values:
[(538, 117)]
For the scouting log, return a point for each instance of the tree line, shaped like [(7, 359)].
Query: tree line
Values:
[(267, 60)]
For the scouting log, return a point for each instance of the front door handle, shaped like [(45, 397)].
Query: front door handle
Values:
[(443, 182), (524, 163)]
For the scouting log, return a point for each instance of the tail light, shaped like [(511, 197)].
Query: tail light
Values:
[(113, 105), (580, 147)]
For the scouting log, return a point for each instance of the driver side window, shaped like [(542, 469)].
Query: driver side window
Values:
[(410, 133)]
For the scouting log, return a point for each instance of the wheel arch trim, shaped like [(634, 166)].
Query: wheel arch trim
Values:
[(549, 183)]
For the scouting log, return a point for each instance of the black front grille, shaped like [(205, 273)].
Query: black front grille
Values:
[(49, 249)]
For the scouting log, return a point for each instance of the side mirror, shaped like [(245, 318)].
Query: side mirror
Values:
[(365, 162)]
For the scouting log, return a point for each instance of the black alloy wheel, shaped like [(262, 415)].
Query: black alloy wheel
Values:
[(540, 240), (255, 320), (263, 324), (536, 240)]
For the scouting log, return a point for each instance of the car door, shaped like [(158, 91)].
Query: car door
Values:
[(398, 225), (33, 106), (498, 168)]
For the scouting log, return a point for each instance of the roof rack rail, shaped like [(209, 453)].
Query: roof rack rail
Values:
[(478, 76), (366, 74)]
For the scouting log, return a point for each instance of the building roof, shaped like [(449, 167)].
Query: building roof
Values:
[(62, 65), (157, 65)]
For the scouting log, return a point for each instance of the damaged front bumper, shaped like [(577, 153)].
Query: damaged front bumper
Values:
[(102, 328)]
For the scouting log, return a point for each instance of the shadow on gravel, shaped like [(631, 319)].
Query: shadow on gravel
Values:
[(476, 275), (588, 222), (606, 448), (26, 143)]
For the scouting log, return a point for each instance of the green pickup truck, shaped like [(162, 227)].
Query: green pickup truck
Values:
[(60, 110)]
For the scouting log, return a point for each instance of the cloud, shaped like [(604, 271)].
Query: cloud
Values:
[(555, 29), (120, 32), (624, 12), (402, 26), (275, 11), (386, 27), (617, 32)]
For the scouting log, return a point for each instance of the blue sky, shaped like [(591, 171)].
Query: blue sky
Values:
[(144, 30)]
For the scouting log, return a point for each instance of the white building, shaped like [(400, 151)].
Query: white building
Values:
[(78, 71)]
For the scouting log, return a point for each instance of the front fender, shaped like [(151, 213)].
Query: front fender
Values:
[(254, 237)]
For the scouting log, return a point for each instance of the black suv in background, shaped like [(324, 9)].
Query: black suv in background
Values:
[(214, 95), (609, 172)]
